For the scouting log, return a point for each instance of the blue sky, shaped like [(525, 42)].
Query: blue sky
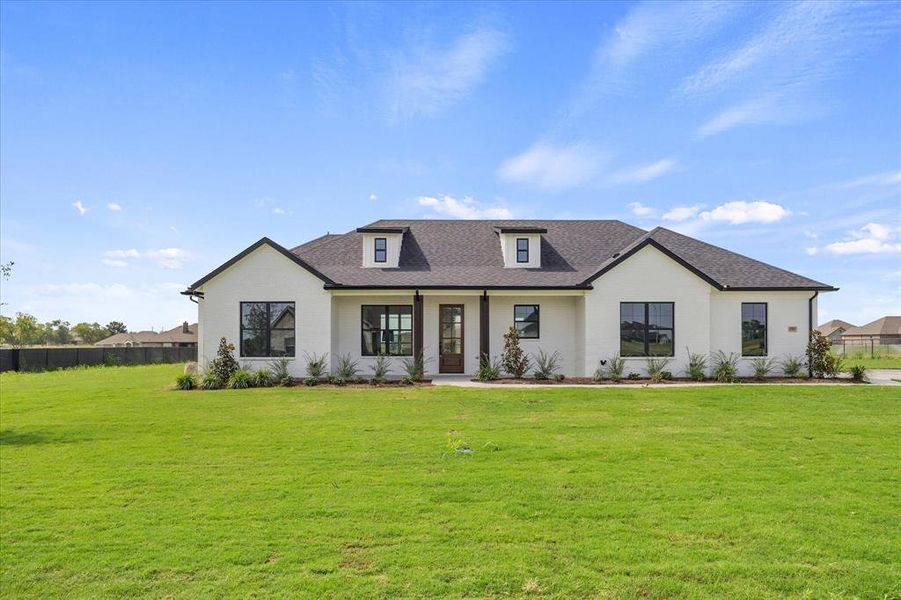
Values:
[(141, 145)]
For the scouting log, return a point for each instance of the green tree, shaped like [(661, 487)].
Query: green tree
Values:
[(114, 327), (24, 331), (515, 361), (57, 332), (89, 333)]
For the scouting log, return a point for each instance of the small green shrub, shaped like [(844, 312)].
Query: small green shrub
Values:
[(613, 370), (185, 382), (209, 381), (224, 365), (489, 370), (697, 366), (316, 365), (347, 368), (823, 363), (633, 375), (725, 366), (762, 367), (558, 377), (546, 365), (414, 367), (515, 361), (241, 379), (337, 380), (310, 381), (656, 366), (858, 373), (279, 371), (380, 369), (262, 377), (792, 366), (407, 380)]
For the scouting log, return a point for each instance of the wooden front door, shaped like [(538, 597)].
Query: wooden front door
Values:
[(450, 338)]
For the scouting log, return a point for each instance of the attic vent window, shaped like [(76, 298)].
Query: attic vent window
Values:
[(381, 250), (522, 250)]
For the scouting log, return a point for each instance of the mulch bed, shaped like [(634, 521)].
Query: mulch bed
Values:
[(646, 381)]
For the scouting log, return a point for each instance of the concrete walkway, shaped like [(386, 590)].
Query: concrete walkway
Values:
[(876, 377)]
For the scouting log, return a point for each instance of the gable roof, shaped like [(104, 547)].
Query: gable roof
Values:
[(466, 254), (883, 326), (175, 335), (830, 327)]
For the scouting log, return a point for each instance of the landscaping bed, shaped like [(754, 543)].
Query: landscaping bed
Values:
[(672, 381)]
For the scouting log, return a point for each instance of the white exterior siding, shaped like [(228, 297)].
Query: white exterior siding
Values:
[(784, 310), (508, 249), (556, 329), (647, 276), (393, 243), (264, 275)]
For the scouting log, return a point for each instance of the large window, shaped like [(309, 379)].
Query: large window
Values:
[(387, 330), (381, 250), (267, 329), (646, 329), (522, 250), (753, 328), (525, 319)]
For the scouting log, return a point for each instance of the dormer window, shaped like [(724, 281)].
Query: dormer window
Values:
[(381, 250), (522, 250)]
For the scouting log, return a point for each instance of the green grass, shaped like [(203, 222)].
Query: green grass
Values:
[(112, 484), (881, 360)]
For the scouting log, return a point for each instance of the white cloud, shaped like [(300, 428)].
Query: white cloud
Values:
[(81, 208), (551, 167), (681, 213), (759, 110), (640, 210), (872, 238), (644, 173), (278, 211), (466, 208), (426, 81), (373, 197), (812, 250), (113, 206), (739, 211), (167, 258), (890, 178)]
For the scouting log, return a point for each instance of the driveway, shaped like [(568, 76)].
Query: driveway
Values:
[(884, 376)]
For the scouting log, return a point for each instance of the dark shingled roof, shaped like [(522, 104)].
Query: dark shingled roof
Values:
[(464, 253)]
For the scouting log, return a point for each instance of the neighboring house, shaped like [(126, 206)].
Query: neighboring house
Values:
[(833, 330), (450, 289), (881, 332), (184, 336)]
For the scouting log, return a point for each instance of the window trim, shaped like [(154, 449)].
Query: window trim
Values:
[(376, 250), (269, 329), (387, 308), (528, 244), (647, 310), (766, 330), (538, 323)]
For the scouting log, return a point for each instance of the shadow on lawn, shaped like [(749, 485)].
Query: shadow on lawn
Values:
[(14, 438)]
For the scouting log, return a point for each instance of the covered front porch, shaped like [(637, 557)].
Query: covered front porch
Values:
[(455, 329)]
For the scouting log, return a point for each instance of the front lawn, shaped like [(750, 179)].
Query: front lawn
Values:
[(879, 360), (112, 484)]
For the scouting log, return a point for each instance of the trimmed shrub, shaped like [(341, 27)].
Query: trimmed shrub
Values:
[(858, 373), (656, 367), (792, 366), (823, 363), (697, 366), (489, 370), (310, 381), (515, 361), (316, 365), (224, 365), (762, 367), (347, 368), (633, 375), (241, 379), (185, 381), (725, 366), (546, 365)]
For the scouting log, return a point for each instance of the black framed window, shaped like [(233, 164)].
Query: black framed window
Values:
[(381, 250), (267, 329), (753, 329), (387, 330), (526, 320), (646, 329), (522, 250)]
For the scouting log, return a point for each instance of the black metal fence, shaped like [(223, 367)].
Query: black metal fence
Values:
[(46, 359)]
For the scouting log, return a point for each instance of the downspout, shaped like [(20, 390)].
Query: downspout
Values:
[(810, 328)]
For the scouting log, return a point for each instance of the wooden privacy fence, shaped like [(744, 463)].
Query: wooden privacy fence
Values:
[(45, 359)]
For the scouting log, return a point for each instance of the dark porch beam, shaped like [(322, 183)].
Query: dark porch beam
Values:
[(417, 324), (484, 357)]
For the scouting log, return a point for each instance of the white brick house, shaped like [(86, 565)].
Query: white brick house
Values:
[(450, 289)]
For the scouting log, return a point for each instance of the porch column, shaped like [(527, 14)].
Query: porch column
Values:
[(417, 324), (484, 358)]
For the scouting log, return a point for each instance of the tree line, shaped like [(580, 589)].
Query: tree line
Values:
[(26, 330)]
